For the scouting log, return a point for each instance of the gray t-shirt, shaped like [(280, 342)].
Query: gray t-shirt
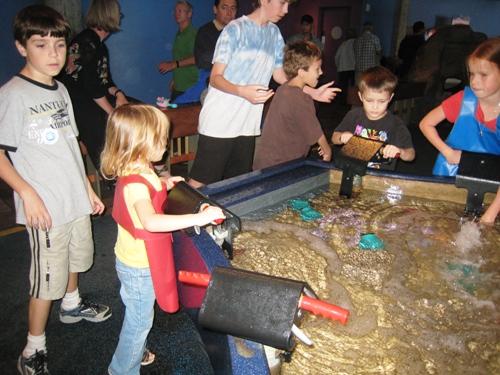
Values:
[(39, 131)]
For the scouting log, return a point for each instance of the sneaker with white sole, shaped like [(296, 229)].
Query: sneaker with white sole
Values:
[(93, 312), (34, 365)]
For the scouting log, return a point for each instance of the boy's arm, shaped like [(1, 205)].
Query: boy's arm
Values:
[(406, 154), (154, 222), (255, 94), (36, 213), (95, 201), (341, 138), (321, 94), (325, 149), (428, 128)]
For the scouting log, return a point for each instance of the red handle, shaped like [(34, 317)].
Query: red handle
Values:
[(317, 307), (195, 278), (325, 309)]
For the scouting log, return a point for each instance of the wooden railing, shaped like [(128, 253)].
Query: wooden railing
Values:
[(183, 134)]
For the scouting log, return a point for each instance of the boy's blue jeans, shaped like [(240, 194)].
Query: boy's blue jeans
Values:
[(138, 296)]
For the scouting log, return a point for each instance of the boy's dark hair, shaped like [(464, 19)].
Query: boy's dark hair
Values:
[(377, 78), (104, 15), (217, 2), (307, 19), (418, 27), (39, 20), (299, 55)]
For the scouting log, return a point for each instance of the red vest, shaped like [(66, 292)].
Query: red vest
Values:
[(158, 245)]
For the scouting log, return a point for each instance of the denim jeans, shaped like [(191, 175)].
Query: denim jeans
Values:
[(138, 296)]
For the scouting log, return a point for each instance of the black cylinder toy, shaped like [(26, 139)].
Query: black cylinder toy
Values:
[(253, 306)]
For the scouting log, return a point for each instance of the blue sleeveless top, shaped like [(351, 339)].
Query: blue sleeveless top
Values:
[(468, 134)]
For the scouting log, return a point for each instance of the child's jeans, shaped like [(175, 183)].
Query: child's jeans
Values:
[(138, 295)]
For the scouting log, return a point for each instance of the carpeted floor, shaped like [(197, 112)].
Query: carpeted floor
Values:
[(86, 348)]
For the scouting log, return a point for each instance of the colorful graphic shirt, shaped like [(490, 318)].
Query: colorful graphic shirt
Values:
[(389, 129)]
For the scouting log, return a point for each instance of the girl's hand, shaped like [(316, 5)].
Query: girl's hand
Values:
[(453, 156), (211, 214), (173, 180), (344, 138), (256, 94)]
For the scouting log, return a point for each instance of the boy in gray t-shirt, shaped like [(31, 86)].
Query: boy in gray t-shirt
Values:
[(51, 190)]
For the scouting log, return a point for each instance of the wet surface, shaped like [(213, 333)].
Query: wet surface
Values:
[(428, 303)]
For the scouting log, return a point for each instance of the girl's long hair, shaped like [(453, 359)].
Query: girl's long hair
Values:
[(135, 135)]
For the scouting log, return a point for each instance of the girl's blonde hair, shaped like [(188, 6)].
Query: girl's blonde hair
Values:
[(135, 135), (104, 15)]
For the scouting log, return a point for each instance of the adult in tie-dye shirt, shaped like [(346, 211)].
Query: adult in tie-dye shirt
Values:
[(248, 52)]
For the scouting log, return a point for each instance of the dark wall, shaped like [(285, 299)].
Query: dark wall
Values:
[(148, 32)]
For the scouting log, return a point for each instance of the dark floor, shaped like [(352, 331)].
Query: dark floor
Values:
[(329, 115)]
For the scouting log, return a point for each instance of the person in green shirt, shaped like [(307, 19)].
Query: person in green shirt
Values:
[(183, 67)]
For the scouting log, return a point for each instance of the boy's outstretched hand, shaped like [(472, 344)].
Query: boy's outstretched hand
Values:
[(324, 93)]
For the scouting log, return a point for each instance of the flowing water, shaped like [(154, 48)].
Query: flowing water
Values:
[(428, 303)]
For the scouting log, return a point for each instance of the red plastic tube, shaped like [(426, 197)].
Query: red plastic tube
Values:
[(317, 307), (324, 309)]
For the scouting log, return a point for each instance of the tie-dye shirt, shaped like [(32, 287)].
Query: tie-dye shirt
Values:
[(250, 53)]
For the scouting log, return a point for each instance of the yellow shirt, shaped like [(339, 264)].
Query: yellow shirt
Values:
[(130, 251)]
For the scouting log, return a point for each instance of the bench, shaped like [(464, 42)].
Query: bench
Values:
[(403, 101), (183, 135)]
